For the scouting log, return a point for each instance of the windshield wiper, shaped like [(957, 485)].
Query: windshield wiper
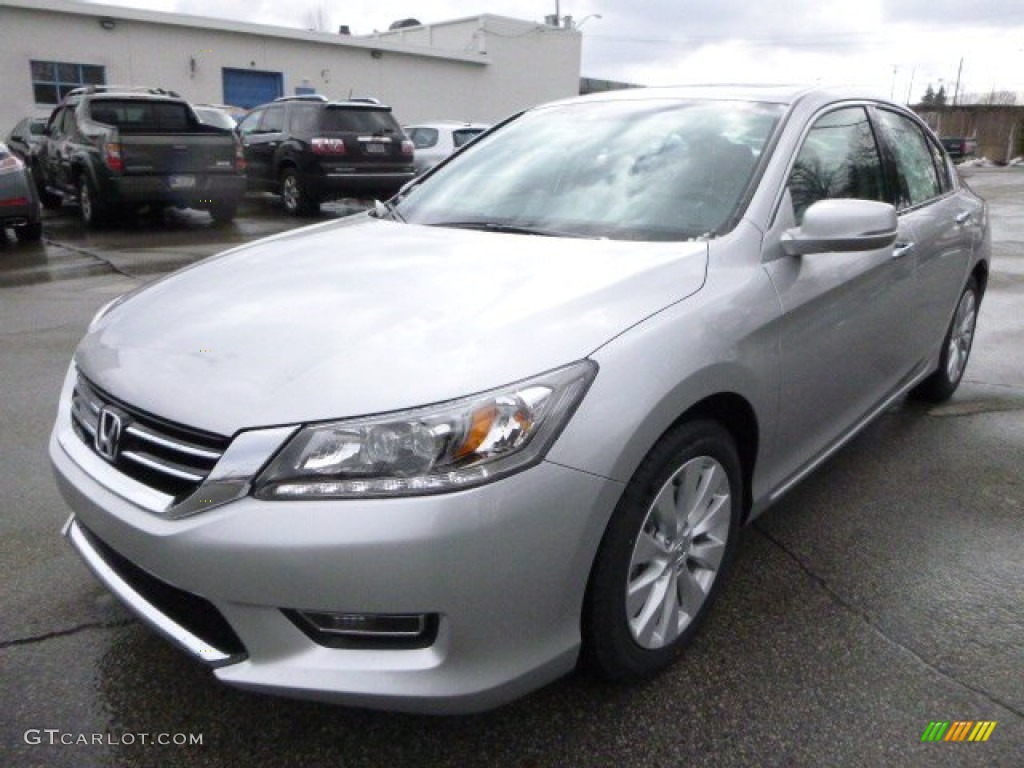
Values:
[(511, 229)]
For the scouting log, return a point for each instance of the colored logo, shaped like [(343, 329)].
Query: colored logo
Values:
[(958, 730)]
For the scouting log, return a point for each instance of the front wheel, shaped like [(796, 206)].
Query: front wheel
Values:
[(665, 553), (956, 348)]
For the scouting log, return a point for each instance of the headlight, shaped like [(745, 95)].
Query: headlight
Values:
[(439, 448)]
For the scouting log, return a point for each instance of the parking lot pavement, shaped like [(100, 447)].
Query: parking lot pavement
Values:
[(883, 593), (144, 245)]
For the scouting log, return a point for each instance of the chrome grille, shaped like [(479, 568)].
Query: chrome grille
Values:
[(167, 457)]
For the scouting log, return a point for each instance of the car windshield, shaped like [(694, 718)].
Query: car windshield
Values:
[(627, 170)]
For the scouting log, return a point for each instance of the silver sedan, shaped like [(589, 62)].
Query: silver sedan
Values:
[(429, 457)]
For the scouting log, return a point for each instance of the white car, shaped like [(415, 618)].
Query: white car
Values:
[(435, 141)]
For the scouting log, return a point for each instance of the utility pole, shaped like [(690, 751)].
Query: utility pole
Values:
[(956, 90)]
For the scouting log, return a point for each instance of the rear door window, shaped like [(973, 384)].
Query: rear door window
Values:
[(839, 158), (917, 176)]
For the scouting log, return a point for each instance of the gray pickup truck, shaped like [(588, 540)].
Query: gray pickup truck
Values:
[(113, 149)]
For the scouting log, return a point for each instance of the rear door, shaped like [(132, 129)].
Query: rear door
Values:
[(941, 223), (261, 141)]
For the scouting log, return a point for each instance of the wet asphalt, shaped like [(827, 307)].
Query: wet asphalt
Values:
[(883, 593)]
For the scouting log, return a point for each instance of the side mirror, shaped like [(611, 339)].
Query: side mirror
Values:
[(842, 225)]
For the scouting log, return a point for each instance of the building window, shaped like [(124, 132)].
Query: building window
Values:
[(53, 80)]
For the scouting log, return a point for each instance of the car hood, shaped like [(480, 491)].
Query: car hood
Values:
[(365, 316)]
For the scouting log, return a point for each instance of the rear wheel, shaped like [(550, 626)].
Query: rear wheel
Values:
[(297, 201), (90, 208), (665, 553), (956, 348), (29, 233)]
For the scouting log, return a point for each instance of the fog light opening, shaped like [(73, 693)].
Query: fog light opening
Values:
[(368, 624), (369, 630)]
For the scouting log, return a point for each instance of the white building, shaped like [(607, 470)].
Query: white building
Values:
[(481, 68)]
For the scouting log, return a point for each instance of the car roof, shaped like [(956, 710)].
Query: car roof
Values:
[(448, 124), (787, 95)]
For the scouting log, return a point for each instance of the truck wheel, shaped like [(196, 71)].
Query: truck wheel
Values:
[(297, 201), (29, 233), (90, 208)]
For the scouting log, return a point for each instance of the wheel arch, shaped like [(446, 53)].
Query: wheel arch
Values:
[(734, 413), (980, 275)]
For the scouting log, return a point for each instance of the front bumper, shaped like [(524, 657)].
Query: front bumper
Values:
[(504, 566)]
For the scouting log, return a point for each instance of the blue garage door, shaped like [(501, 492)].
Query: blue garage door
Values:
[(249, 88)]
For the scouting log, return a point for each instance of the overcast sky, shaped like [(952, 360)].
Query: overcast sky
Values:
[(894, 47)]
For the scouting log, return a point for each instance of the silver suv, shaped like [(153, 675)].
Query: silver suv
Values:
[(421, 458)]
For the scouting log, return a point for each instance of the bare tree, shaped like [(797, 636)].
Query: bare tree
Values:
[(316, 19)]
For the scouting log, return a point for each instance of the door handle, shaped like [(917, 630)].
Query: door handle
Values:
[(962, 218), (902, 249)]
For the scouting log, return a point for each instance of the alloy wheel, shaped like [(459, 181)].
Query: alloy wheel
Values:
[(678, 552), (961, 335)]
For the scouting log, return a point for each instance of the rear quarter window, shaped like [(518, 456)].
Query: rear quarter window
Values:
[(423, 138), (461, 137)]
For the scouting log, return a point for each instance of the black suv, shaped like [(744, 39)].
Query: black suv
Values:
[(119, 148), (309, 149)]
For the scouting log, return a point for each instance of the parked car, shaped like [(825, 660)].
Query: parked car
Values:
[(428, 457), (111, 148), (19, 203), (309, 149), (433, 142), (215, 116), (25, 136), (960, 147)]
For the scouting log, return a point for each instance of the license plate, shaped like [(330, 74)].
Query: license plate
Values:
[(376, 149), (181, 182)]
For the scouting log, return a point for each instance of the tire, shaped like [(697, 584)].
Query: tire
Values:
[(29, 233), (956, 349), (91, 210), (297, 201), (223, 213), (652, 584)]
